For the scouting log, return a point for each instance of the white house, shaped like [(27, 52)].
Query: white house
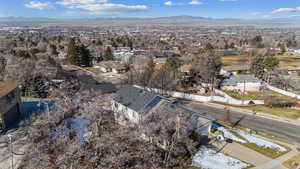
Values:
[(133, 104), (241, 83), (111, 66), (123, 55)]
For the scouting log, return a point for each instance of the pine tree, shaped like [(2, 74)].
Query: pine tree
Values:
[(108, 55), (85, 56), (73, 56)]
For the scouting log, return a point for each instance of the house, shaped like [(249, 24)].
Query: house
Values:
[(51, 71), (235, 69), (124, 55), (111, 66), (10, 104), (186, 68), (133, 105), (160, 60), (241, 83)]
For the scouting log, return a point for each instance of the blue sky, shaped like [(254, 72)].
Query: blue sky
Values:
[(150, 8)]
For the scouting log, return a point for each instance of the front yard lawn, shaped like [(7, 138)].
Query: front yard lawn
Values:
[(255, 95), (277, 111), (269, 152), (293, 162)]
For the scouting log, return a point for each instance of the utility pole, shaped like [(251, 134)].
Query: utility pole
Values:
[(48, 110), (10, 136), (244, 92)]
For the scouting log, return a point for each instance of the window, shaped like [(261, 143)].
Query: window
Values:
[(116, 105), (10, 97)]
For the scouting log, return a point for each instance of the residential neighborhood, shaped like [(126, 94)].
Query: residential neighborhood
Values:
[(105, 84)]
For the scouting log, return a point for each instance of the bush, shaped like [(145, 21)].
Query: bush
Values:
[(277, 102)]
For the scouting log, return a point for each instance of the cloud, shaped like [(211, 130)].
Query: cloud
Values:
[(77, 2), (108, 7), (196, 2), (282, 10), (97, 7), (169, 3), (38, 5)]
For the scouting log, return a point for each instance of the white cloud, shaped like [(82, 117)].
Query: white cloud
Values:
[(107, 7), (76, 2), (96, 7), (281, 10), (196, 2), (38, 5), (169, 3)]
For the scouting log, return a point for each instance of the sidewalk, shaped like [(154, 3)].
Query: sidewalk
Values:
[(259, 114), (243, 153)]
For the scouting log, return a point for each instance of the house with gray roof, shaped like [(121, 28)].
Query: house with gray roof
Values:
[(245, 82), (235, 69), (133, 105)]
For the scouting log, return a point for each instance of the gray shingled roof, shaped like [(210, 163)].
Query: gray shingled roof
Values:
[(234, 79), (135, 98), (139, 99)]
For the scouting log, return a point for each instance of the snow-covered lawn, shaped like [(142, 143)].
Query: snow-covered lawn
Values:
[(261, 142), (208, 158), (80, 126), (229, 135), (247, 138)]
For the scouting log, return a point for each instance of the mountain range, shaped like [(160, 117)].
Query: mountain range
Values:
[(183, 19)]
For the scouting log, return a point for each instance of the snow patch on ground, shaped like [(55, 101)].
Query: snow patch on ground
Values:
[(229, 135), (81, 128), (259, 141), (208, 158)]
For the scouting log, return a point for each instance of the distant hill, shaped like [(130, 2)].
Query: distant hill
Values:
[(183, 19)]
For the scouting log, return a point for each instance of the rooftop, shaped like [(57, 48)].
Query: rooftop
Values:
[(139, 99), (135, 98), (246, 78), (7, 87)]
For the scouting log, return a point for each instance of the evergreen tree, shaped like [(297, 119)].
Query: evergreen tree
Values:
[(108, 55), (85, 56), (232, 45), (173, 63), (73, 56), (262, 64)]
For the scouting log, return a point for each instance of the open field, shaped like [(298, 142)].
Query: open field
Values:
[(234, 59), (284, 61), (289, 61)]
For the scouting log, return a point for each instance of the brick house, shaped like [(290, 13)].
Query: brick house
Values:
[(10, 104)]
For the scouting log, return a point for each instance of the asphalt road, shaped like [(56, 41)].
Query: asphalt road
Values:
[(275, 128)]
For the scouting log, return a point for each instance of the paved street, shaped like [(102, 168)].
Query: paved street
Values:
[(268, 126)]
